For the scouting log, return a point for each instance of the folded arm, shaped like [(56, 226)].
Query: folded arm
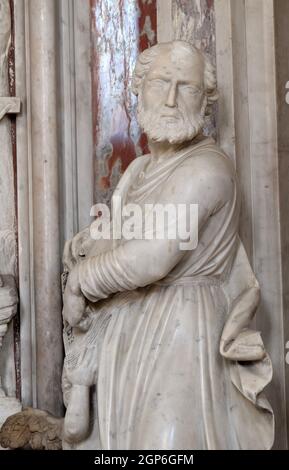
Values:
[(137, 263)]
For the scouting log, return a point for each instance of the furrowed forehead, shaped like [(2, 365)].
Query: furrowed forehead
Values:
[(177, 60)]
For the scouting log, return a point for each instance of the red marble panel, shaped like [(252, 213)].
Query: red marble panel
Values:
[(119, 30)]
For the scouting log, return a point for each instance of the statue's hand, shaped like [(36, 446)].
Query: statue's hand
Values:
[(74, 301), (73, 249), (85, 373)]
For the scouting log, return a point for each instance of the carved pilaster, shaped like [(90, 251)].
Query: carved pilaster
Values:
[(8, 292), (36, 56), (8, 308)]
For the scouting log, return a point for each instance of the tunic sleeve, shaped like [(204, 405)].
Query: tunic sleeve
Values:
[(140, 262)]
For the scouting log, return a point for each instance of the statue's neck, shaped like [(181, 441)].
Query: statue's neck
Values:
[(162, 150)]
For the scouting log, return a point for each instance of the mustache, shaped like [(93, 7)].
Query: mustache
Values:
[(170, 113)]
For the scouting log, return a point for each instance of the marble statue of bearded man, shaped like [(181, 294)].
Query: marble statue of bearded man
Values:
[(159, 349)]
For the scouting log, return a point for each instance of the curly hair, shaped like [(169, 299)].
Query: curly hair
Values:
[(147, 57)]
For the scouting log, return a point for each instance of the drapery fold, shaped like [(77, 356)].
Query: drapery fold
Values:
[(179, 365)]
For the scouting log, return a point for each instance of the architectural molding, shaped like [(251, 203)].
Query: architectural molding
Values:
[(76, 116), (9, 105), (38, 197), (25, 206)]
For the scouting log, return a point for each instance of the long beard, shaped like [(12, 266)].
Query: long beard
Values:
[(174, 131)]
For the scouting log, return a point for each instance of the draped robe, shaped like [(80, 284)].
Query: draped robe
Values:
[(178, 366)]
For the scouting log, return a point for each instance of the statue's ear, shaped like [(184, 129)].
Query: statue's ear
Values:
[(211, 99)]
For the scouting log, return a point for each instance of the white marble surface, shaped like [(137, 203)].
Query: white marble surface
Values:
[(75, 116)]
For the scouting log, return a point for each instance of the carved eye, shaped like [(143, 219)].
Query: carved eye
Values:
[(157, 83), (190, 90)]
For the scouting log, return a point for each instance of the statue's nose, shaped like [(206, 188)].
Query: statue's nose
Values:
[(171, 100)]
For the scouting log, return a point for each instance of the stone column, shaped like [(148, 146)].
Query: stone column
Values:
[(43, 47), (53, 80)]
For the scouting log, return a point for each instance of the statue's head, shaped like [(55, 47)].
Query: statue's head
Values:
[(176, 85)]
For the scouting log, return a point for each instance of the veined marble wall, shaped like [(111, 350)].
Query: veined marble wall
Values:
[(119, 30)]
